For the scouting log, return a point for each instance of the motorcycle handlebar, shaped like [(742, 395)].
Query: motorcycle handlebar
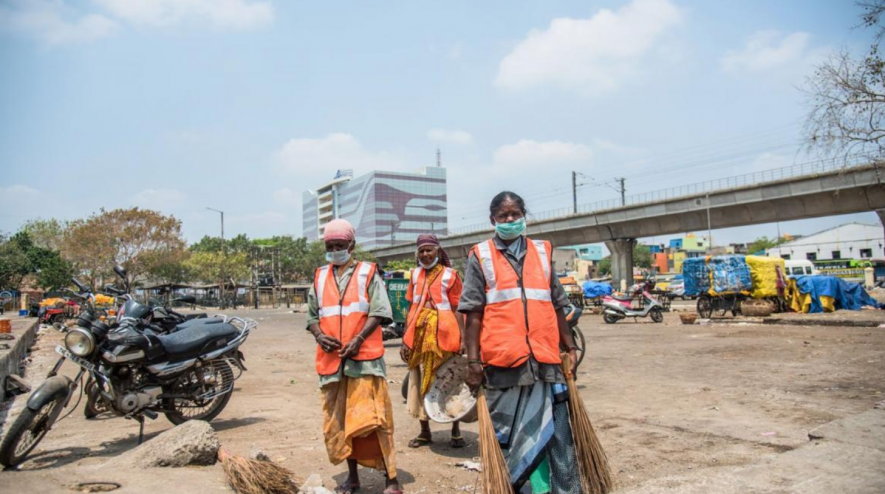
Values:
[(81, 286)]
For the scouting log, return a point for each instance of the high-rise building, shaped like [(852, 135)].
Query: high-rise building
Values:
[(385, 208)]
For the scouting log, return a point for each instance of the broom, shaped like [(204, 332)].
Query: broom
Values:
[(495, 474), (595, 474), (247, 476)]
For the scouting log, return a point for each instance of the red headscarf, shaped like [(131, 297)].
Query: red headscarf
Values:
[(430, 239), (338, 230)]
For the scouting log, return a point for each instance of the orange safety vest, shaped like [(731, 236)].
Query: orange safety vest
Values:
[(344, 316), (519, 319), (448, 333)]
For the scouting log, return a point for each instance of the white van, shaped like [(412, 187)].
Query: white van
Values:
[(799, 267)]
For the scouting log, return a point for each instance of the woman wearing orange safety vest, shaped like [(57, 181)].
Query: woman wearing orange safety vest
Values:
[(433, 330), (346, 304), (515, 331)]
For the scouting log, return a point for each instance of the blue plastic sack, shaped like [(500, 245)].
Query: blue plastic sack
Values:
[(731, 274), (696, 276), (593, 289)]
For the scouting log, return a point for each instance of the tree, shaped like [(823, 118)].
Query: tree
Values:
[(847, 96), (207, 266), (762, 244), (605, 266), (21, 259), (47, 234), (139, 239), (14, 263), (399, 265)]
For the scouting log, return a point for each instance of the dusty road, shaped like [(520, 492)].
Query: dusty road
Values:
[(669, 402)]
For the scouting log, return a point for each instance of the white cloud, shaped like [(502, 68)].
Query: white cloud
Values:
[(307, 157), (233, 14), (445, 136), (53, 22), (159, 198), (542, 155), (18, 192), (766, 50), (592, 55)]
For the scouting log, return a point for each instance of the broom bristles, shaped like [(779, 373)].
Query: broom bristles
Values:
[(596, 476), (495, 474), (247, 476)]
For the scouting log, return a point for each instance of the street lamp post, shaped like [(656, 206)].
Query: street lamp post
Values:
[(223, 254)]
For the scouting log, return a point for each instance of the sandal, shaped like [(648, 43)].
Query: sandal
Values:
[(457, 442), (419, 441), (346, 488)]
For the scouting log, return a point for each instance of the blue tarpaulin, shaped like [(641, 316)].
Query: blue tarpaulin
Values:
[(593, 289), (697, 276), (730, 274), (848, 296)]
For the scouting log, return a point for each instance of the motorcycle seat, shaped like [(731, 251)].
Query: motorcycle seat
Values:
[(190, 323), (197, 338), (623, 298), (195, 315)]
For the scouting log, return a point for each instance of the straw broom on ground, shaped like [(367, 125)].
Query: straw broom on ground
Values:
[(256, 476), (495, 474), (595, 474)]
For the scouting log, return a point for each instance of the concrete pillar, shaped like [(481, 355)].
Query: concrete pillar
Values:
[(881, 213), (622, 262), (869, 278)]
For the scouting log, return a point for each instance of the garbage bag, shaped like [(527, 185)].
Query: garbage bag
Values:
[(729, 274), (593, 289), (696, 275), (767, 274)]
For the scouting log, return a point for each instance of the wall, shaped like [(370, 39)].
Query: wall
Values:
[(848, 239)]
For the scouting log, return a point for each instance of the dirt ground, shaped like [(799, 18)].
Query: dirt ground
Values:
[(666, 399)]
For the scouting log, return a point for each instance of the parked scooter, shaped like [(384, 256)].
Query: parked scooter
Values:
[(620, 307)]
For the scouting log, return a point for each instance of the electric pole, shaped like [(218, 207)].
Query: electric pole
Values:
[(574, 192), (223, 254), (623, 191)]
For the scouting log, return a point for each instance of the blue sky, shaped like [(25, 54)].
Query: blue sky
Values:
[(243, 104)]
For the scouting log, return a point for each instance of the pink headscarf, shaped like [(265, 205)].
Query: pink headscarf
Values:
[(338, 230)]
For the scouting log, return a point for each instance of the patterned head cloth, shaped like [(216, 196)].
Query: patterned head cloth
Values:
[(338, 230), (429, 239)]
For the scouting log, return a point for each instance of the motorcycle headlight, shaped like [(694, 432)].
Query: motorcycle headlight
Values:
[(80, 342)]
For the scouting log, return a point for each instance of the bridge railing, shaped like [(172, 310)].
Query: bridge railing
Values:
[(709, 186)]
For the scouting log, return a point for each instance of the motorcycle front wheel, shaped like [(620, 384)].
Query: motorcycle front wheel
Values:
[(578, 338), (208, 389), (26, 432)]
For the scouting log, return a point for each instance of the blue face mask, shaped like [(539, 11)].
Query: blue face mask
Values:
[(338, 257), (512, 230)]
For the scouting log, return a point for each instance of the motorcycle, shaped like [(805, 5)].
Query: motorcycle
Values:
[(617, 307), (186, 375)]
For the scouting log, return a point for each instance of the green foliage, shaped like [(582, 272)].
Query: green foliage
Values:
[(399, 265), (209, 267), (21, 258), (605, 266), (762, 244)]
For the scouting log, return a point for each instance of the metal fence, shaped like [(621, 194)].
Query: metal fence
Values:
[(709, 186)]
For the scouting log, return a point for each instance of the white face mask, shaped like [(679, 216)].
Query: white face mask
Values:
[(338, 257), (431, 265)]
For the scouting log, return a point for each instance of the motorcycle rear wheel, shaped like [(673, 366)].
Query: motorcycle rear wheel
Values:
[(26, 432), (183, 410), (609, 318)]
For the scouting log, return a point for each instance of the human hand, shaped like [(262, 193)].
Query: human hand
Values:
[(573, 357), (405, 353), (475, 376), (352, 348), (327, 343)]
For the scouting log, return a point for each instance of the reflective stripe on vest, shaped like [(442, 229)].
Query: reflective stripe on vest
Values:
[(362, 278)]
